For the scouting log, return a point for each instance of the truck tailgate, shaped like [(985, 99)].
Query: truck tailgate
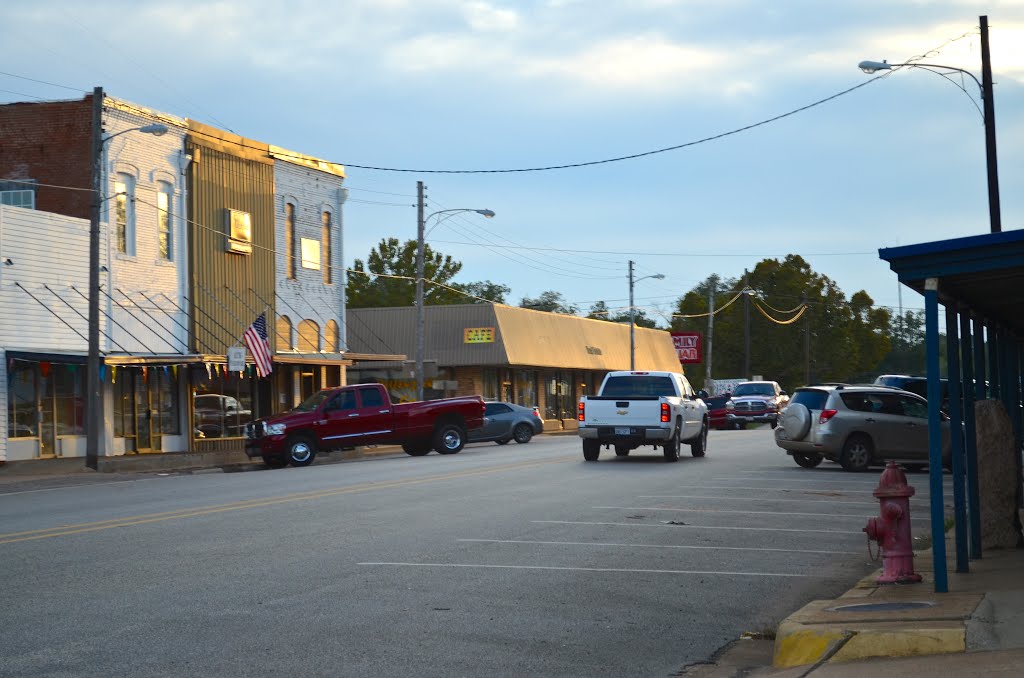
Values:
[(622, 412)]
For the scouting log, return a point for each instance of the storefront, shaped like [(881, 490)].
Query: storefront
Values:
[(532, 358)]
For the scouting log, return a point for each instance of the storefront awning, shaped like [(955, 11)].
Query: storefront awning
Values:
[(312, 359), (160, 359)]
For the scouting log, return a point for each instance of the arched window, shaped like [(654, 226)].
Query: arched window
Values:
[(331, 337), (124, 213), (165, 220), (284, 333), (309, 337), (290, 241), (326, 247)]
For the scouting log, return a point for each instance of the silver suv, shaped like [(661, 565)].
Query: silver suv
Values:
[(858, 426)]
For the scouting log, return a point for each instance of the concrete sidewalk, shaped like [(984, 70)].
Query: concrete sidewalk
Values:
[(977, 629)]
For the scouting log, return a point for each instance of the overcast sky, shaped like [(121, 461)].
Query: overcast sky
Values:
[(475, 85)]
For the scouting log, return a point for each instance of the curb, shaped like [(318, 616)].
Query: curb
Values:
[(900, 622)]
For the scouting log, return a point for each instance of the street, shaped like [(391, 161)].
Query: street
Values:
[(515, 560)]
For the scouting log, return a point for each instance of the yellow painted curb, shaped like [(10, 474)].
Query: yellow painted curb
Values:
[(797, 644), (906, 642)]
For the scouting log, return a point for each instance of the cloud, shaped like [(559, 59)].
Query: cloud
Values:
[(483, 16)]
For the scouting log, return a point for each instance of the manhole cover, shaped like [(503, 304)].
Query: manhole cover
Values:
[(881, 607)]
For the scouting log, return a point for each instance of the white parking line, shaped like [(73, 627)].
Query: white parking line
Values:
[(591, 569), (701, 527), (653, 546), (802, 501), (772, 489), (861, 516), (923, 504)]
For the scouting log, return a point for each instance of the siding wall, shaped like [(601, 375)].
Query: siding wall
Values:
[(307, 297), (45, 249), (151, 160), (228, 171)]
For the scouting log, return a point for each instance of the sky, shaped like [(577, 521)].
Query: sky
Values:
[(438, 87)]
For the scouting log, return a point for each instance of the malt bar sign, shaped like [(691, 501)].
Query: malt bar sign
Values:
[(688, 347)]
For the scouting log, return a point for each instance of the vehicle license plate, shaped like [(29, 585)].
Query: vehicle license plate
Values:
[(622, 430)]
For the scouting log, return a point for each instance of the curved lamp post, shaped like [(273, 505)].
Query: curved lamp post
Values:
[(93, 389), (420, 314), (988, 113), (632, 323)]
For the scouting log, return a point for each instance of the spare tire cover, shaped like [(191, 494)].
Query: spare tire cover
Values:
[(796, 420)]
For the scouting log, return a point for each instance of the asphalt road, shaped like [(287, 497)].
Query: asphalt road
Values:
[(515, 560)]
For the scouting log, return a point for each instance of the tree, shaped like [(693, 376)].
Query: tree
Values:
[(599, 311), (549, 301), (388, 278), (490, 291), (846, 339)]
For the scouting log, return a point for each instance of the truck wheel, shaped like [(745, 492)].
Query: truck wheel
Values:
[(522, 433), (449, 439), (671, 448), (301, 451), (621, 451), (699, 447), (591, 449), (416, 449), (807, 460)]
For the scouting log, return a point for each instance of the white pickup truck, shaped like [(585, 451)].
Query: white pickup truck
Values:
[(660, 409)]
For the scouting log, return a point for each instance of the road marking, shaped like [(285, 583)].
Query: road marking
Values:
[(860, 516), (590, 569), (771, 489), (807, 500), (788, 478), (702, 527), (79, 528), (654, 546)]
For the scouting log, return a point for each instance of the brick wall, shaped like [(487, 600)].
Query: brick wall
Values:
[(50, 142)]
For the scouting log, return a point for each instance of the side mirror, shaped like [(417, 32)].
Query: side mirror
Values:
[(783, 393), (702, 394)]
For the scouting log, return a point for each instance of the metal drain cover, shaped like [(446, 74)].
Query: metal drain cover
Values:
[(882, 607)]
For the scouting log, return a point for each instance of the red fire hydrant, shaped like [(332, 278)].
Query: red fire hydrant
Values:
[(892, 529)]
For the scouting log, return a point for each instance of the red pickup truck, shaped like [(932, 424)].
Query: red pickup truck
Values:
[(362, 414)]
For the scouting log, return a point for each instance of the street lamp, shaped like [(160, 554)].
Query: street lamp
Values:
[(420, 247), (632, 323), (989, 114), (92, 378)]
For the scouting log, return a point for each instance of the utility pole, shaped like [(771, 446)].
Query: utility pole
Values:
[(632, 329), (420, 316), (807, 340), (713, 283), (94, 398), (746, 326), (995, 220)]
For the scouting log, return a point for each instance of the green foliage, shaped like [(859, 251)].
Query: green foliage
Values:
[(549, 301), (599, 311), (846, 338), (488, 290), (388, 278)]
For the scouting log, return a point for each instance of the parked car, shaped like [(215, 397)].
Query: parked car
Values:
[(220, 416), (756, 402), (914, 384), (504, 422), (717, 412), (858, 426)]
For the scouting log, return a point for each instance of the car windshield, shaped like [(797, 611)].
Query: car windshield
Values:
[(313, 401), (812, 399), (632, 386), (754, 389)]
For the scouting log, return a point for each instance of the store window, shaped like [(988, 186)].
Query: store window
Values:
[(560, 396), (222, 404), (22, 400), (164, 232), (526, 388), (331, 337), (46, 401), (490, 385), (284, 333), (309, 337), (124, 213)]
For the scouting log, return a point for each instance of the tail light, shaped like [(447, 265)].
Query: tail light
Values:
[(582, 411), (665, 414), (536, 411), (826, 415)]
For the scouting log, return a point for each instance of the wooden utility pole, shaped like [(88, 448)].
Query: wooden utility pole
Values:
[(713, 283)]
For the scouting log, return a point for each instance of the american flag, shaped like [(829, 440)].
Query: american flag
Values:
[(256, 340)]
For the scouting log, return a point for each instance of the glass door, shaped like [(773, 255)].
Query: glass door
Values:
[(47, 415)]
